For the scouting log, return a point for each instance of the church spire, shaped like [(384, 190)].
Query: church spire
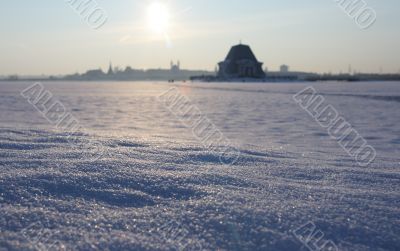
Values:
[(110, 70)]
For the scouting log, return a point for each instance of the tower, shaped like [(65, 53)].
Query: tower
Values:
[(175, 67), (284, 68), (110, 70)]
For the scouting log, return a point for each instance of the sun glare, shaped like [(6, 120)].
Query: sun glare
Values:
[(158, 17)]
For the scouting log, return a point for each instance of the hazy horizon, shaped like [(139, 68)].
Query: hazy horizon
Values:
[(50, 38), (236, 159)]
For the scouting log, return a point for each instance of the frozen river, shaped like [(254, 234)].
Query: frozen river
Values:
[(158, 186)]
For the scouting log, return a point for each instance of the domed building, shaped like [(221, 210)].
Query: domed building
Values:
[(240, 63)]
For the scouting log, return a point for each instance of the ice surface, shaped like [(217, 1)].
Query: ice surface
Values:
[(158, 188)]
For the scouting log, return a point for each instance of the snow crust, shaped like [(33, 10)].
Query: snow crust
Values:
[(157, 188)]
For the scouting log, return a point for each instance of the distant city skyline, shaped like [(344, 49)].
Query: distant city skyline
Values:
[(48, 37)]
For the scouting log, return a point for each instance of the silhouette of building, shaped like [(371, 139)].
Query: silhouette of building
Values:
[(93, 75), (240, 63), (131, 74), (175, 68), (284, 69), (110, 70)]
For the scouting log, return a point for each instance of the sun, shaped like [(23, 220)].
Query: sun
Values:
[(158, 18)]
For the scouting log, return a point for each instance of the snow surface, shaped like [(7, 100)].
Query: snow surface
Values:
[(157, 188)]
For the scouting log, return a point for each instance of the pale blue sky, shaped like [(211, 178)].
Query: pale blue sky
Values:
[(48, 37)]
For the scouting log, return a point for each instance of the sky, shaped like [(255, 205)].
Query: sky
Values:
[(50, 37)]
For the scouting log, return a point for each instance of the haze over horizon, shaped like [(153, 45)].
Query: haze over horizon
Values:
[(48, 37), (212, 151)]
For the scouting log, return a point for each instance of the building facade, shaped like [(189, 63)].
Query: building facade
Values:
[(240, 63)]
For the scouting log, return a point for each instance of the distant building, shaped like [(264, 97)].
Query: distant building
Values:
[(93, 74), (284, 69), (13, 77), (110, 70), (240, 63), (131, 74), (175, 68)]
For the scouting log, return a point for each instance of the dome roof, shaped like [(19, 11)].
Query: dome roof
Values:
[(240, 63), (239, 52)]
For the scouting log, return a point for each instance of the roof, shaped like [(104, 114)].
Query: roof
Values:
[(239, 52), (241, 62)]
